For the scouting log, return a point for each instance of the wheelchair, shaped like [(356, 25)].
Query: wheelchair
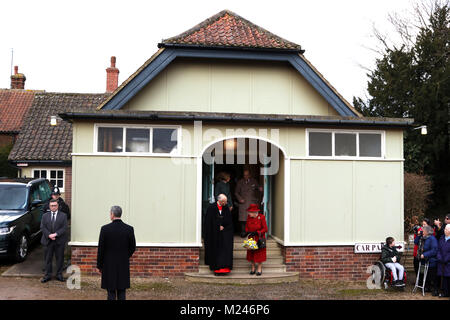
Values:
[(385, 277)]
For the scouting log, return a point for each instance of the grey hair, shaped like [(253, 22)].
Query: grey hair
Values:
[(428, 229), (221, 197), (116, 211), (447, 226)]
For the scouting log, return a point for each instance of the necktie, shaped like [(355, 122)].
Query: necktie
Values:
[(53, 222)]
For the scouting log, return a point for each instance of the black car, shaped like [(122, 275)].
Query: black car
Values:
[(21, 204)]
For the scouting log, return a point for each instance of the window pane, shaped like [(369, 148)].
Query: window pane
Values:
[(44, 174), (36, 174), (53, 183), (60, 174), (110, 140), (138, 140), (52, 174), (345, 144), (60, 183), (164, 140), (369, 145), (320, 143)]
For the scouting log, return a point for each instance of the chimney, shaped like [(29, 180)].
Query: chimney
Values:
[(112, 76), (17, 79)]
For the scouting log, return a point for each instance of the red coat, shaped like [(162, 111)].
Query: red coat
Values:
[(255, 225)]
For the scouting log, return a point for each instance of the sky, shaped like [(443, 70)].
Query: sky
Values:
[(65, 46)]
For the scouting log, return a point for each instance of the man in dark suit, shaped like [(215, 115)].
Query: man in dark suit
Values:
[(116, 245), (54, 238)]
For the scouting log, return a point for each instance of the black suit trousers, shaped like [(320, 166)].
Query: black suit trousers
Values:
[(118, 294), (57, 250)]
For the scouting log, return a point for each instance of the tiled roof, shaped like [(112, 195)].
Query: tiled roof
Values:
[(38, 140), (227, 29), (14, 104)]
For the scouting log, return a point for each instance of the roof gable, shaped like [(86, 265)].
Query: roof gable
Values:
[(229, 30), (213, 39)]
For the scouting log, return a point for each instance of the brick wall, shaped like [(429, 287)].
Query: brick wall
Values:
[(68, 186), (145, 262), (334, 263)]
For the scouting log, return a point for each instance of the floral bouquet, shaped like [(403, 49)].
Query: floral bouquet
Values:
[(250, 244)]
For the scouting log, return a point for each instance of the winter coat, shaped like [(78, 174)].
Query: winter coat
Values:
[(223, 188), (430, 249), (387, 253), (116, 245), (443, 257)]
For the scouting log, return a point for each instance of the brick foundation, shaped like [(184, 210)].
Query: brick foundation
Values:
[(333, 263), (146, 261)]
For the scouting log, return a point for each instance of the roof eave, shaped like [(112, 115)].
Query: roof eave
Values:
[(237, 48), (288, 120)]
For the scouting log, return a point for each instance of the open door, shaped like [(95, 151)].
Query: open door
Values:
[(267, 197), (207, 189)]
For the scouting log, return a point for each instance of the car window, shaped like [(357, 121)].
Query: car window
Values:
[(44, 191), (34, 194), (12, 197)]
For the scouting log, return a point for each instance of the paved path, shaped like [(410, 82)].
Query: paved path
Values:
[(32, 266)]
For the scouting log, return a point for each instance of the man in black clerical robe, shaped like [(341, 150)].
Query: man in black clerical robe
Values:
[(219, 237)]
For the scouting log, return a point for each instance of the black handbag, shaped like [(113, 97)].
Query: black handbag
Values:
[(261, 242)]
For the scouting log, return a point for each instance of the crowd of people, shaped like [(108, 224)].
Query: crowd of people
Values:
[(432, 246)]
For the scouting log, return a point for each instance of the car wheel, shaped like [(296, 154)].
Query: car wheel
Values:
[(22, 248)]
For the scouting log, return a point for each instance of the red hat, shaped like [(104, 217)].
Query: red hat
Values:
[(253, 208)]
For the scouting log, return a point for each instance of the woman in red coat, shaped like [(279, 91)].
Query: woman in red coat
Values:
[(257, 226)]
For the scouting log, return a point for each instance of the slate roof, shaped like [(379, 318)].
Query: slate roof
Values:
[(38, 140), (14, 104), (227, 29)]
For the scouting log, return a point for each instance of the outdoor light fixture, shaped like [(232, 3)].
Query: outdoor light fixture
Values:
[(53, 121), (423, 129), (230, 144)]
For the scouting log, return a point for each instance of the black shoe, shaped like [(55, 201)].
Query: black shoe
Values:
[(60, 278), (435, 294), (441, 295), (243, 235), (252, 272), (45, 279), (259, 273)]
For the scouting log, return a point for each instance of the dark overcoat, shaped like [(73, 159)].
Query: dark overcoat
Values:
[(218, 244), (60, 228), (443, 257), (116, 245)]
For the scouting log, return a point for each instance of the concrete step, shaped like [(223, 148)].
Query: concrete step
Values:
[(245, 269), (240, 278), (241, 254)]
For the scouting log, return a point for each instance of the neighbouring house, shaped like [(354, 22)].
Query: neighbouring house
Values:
[(224, 96), (43, 149), (14, 104)]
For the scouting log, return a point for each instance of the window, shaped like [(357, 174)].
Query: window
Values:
[(164, 140), (320, 144), (134, 139), (138, 140), (110, 139), (55, 176), (348, 144)]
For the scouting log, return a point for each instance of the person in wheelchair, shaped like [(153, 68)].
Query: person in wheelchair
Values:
[(390, 257)]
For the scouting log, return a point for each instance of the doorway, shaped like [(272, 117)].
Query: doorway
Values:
[(233, 156)]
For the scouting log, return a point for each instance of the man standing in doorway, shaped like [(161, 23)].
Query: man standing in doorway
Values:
[(116, 245), (246, 193), (219, 237)]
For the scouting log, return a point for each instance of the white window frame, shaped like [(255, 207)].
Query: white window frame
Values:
[(48, 175), (132, 126), (357, 132)]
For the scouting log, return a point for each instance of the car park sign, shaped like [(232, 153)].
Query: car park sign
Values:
[(375, 247)]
